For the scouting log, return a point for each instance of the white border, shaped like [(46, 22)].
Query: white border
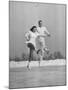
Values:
[(4, 43), (45, 1)]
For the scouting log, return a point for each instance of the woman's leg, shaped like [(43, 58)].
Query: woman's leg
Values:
[(30, 57), (31, 49)]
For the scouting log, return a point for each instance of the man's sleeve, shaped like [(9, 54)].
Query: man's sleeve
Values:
[(46, 31)]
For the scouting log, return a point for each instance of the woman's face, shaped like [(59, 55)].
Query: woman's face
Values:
[(35, 29)]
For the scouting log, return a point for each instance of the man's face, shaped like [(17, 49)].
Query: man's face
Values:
[(40, 24)]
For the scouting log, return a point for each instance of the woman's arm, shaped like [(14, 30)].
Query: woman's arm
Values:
[(27, 36)]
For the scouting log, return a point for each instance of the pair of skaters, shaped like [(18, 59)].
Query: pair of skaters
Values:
[(36, 33)]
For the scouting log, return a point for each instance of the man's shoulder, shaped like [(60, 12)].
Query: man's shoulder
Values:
[(29, 32), (41, 27), (38, 27)]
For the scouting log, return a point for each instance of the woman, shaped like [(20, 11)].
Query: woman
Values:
[(31, 42)]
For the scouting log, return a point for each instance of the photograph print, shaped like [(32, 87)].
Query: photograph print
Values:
[(37, 44)]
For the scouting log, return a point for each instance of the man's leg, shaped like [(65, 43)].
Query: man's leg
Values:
[(40, 54), (46, 50), (44, 47), (41, 58), (43, 50)]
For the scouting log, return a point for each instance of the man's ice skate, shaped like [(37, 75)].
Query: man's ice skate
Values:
[(46, 50), (28, 66)]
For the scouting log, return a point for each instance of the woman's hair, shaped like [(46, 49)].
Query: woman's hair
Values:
[(32, 28)]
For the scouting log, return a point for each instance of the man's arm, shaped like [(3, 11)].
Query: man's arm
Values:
[(46, 32), (40, 35)]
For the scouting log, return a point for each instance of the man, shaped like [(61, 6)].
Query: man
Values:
[(42, 31)]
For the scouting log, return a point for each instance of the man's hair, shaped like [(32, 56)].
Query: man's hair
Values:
[(32, 28), (39, 21)]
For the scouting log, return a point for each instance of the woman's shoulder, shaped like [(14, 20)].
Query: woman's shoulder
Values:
[(28, 32)]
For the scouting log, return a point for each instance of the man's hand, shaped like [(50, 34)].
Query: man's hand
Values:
[(49, 35)]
